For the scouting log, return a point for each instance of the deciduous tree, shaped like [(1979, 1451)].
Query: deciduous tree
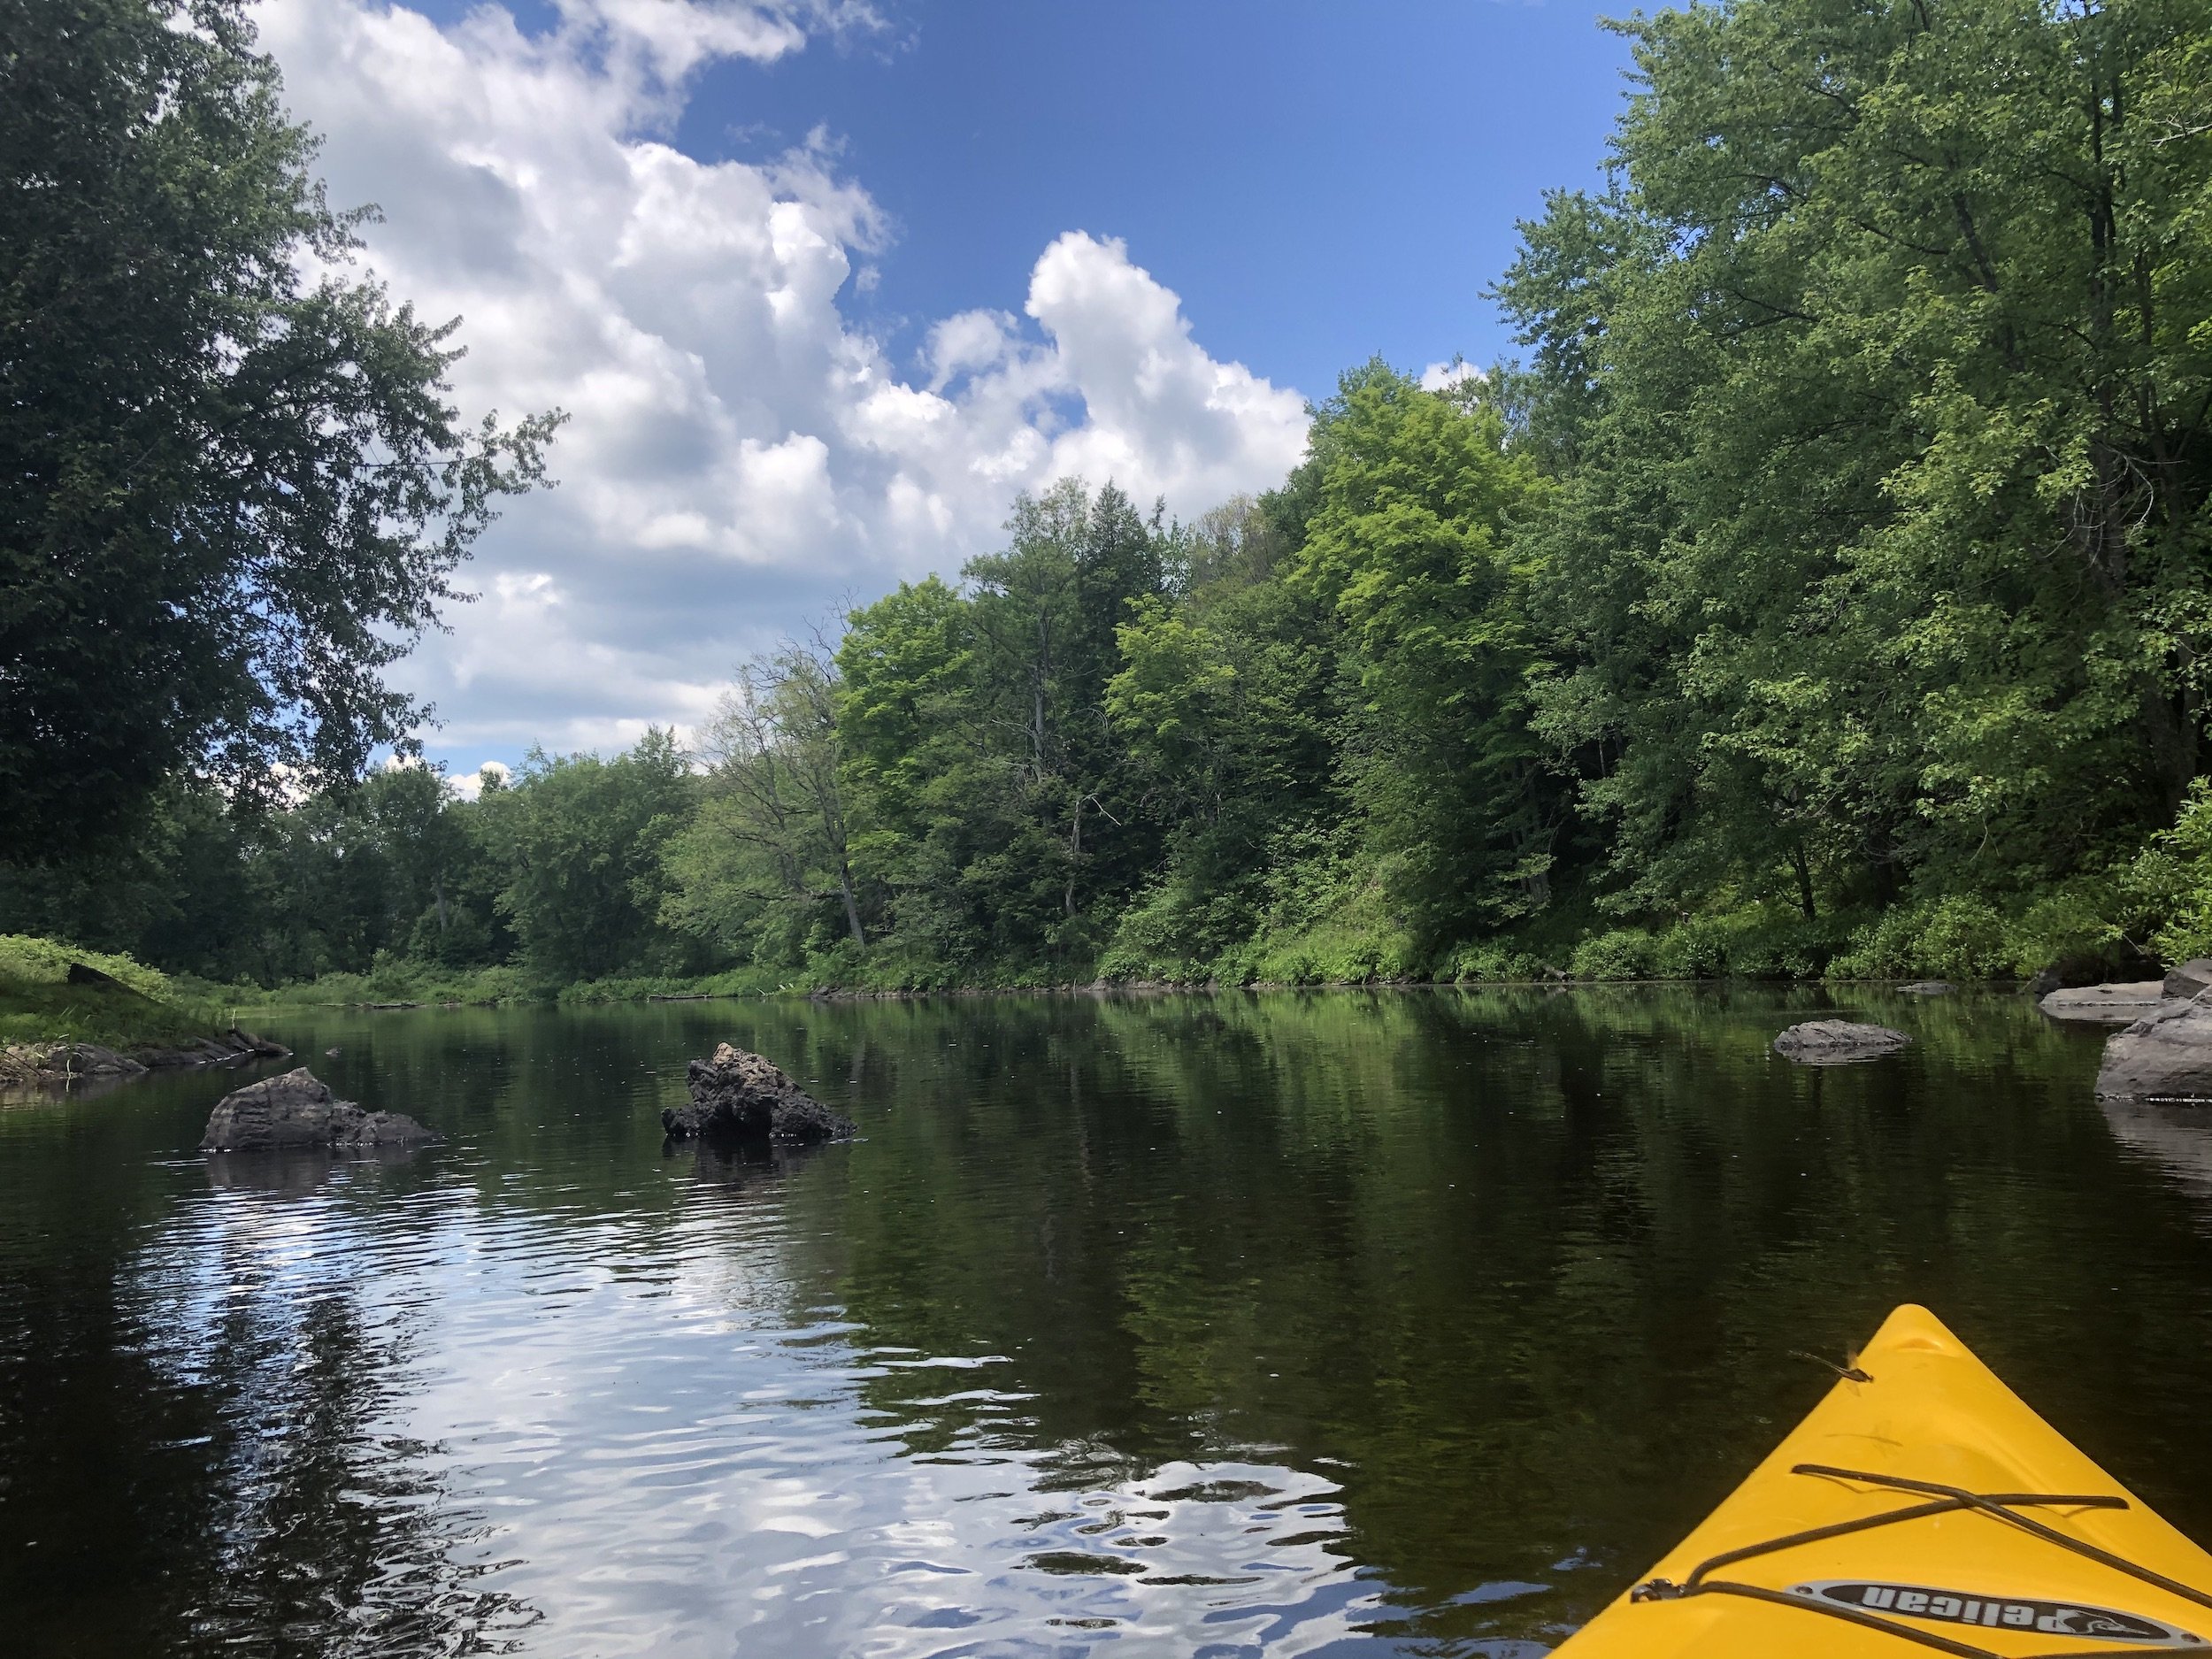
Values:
[(236, 491)]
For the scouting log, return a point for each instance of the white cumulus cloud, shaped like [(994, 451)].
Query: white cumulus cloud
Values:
[(470, 784), (1441, 377), (738, 456)]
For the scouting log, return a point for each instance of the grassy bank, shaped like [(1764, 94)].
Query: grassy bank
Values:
[(141, 1008)]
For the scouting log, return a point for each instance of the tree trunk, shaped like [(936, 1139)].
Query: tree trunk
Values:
[(1075, 855), (852, 907), (2170, 726)]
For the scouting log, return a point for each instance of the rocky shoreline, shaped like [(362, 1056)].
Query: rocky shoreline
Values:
[(2163, 1050), (66, 1065)]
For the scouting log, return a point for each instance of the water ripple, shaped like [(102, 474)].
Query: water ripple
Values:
[(605, 1434)]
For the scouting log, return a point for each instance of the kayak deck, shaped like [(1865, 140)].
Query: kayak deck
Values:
[(1922, 1506)]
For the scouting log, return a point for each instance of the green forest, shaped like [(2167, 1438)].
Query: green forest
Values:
[(1826, 589)]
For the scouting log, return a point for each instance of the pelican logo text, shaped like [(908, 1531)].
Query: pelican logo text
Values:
[(1997, 1612)]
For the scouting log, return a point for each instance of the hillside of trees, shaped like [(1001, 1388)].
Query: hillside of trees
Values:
[(1827, 590)]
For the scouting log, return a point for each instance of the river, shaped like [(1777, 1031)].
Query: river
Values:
[(1412, 1322)]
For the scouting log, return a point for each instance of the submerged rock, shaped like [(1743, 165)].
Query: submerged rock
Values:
[(739, 1097), (2166, 1056), (296, 1111), (1837, 1042), (2104, 1004)]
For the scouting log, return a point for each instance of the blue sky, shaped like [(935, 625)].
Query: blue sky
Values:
[(1318, 181), (825, 285)]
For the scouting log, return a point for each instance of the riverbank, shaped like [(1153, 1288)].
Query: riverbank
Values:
[(67, 1015), (1960, 939)]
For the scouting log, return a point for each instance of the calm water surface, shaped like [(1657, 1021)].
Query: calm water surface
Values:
[(1412, 1322)]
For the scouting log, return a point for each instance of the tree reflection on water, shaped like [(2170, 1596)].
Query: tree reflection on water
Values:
[(1422, 1320)]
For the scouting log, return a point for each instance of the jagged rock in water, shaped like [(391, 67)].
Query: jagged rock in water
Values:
[(297, 1109), (1928, 987), (2166, 1056), (739, 1096), (2104, 1004), (1837, 1042), (2189, 978)]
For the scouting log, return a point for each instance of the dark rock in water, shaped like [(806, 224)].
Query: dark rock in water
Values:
[(2044, 983), (1928, 987), (2189, 978), (297, 1109), (1837, 1042), (2104, 1004), (2166, 1056), (739, 1096)]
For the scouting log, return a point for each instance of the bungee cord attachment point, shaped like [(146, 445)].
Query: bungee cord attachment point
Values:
[(1939, 1500)]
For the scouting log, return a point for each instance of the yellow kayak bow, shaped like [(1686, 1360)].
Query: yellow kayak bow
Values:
[(1921, 1506)]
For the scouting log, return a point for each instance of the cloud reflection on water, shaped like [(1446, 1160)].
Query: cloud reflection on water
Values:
[(453, 1426)]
